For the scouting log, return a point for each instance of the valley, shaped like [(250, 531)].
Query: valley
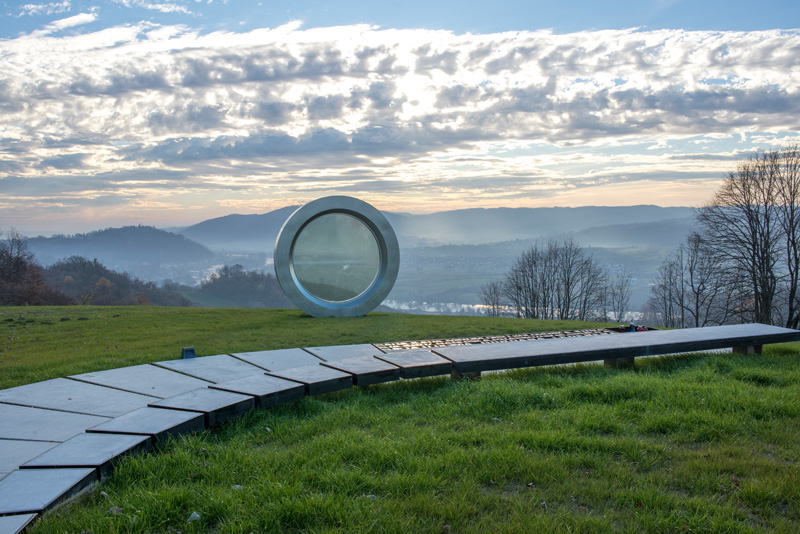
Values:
[(445, 257)]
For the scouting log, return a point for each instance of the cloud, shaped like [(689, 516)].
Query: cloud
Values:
[(163, 7), (69, 22), (191, 117), (325, 107), (51, 8), (288, 110), (429, 60), (63, 161)]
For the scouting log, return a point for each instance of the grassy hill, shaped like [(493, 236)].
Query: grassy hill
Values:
[(39, 343), (693, 443)]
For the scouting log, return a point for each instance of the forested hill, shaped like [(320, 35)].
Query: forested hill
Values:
[(90, 282), (121, 246)]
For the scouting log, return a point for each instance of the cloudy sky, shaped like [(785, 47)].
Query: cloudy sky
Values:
[(170, 112)]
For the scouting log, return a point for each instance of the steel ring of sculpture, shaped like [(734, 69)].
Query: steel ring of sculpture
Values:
[(337, 257)]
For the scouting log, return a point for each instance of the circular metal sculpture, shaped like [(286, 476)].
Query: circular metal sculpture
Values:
[(337, 257)]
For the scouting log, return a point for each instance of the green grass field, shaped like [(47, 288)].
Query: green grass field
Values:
[(693, 443), (39, 343)]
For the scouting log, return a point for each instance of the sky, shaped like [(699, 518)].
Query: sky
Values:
[(171, 112)]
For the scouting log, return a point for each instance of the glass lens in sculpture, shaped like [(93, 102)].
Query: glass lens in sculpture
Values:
[(336, 257)]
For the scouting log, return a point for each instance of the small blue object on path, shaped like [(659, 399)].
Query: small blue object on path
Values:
[(59, 437)]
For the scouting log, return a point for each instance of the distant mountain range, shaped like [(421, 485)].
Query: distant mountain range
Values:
[(479, 226), (257, 233), (446, 256)]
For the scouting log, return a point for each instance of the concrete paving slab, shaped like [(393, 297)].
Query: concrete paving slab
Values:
[(36, 424), (267, 390), (366, 370), (341, 352), (15, 452), (14, 524), (90, 450), (220, 368), (159, 423), (417, 363), (472, 358), (144, 379), (317, 379), (275, 360), (217, 405), (31, 491), (73, 396)]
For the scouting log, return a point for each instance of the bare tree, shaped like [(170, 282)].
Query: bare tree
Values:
[(619, 292), (15, 257), (20, 278), (741, 225), (592, 291), (787, 162), (527, 286), (555, 280), (666, 301), (752, 226), (569, 262), (492, 298), (709, 289)]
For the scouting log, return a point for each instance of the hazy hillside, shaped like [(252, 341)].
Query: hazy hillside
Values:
[(669, 232), (130, 249), (445, 257), (241, 233), (475, 226), (257, 233)]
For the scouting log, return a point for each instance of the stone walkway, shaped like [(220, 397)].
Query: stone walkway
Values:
[(59, 437)]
